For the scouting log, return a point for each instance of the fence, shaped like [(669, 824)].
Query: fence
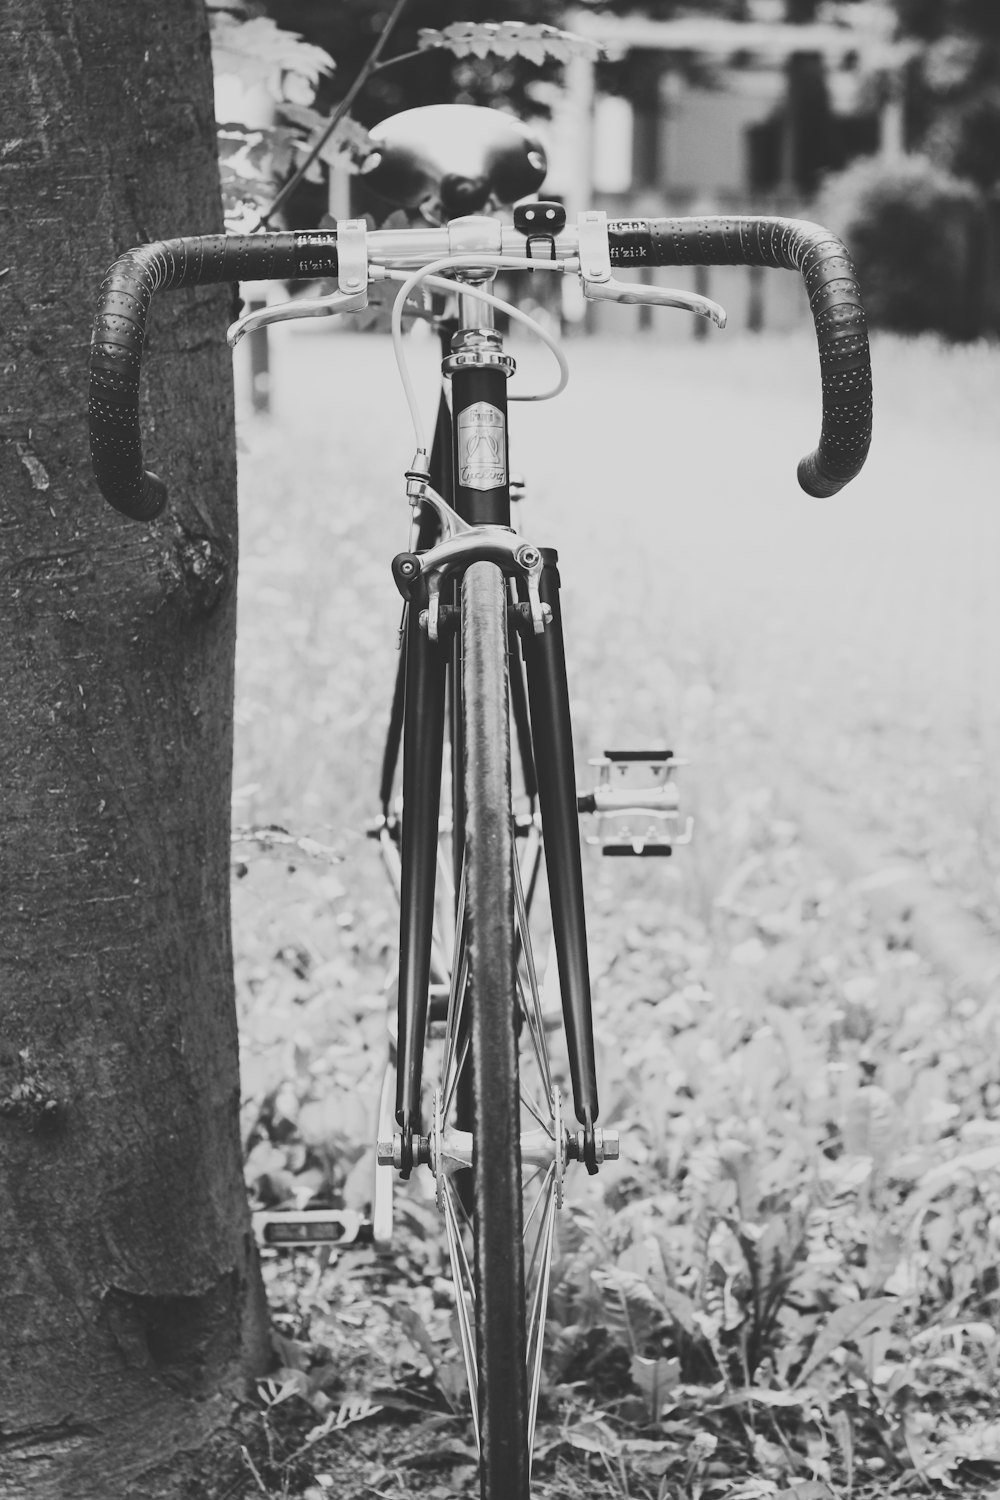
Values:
[(758, 300)]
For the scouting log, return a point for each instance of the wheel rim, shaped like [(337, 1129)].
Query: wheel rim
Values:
[(542, 1137)]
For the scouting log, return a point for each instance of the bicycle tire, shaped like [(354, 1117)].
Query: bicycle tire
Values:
[(501, 1343), (497, 1099)]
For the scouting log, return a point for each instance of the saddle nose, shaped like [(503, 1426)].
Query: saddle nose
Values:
[(463, 195)]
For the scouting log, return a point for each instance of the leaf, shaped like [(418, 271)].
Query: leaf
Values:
[(761, 1396), (740, 1163), (753, 1489), (258, 51), (809, 1489), (870, 1127), (843, 1432), (655, 1378), (416, 1331), (960, 1169), (704, 1170), (630, 1303), (681, 1308), (979, 1443), (534, 42), (701, 1447), (593, 1436), (350, 143), (287, 1383), (293, 1353), (850, 1322), (354, 1409)]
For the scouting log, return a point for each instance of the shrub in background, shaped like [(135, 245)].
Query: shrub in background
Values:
[(916, 235)]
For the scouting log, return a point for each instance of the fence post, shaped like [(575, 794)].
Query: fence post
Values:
[(702, 283), (755, 298), (260, 365)]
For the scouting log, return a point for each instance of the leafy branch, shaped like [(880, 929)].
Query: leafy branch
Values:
[(260, 52), (339, 113)]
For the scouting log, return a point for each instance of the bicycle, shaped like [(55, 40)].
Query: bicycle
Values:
[(481, 710)]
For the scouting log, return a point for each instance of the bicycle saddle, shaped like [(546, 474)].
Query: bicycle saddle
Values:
[(451, 159)]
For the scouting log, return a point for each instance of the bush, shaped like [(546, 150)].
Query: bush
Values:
[(915, 233)]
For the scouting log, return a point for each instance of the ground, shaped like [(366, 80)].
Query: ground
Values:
[(789, 1287)]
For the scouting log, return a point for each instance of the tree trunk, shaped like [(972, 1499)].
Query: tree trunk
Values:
[(130, 1300)]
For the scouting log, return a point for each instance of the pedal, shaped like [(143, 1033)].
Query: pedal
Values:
[(636, 804), (297, 1229)]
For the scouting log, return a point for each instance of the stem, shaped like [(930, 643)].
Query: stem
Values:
[(400, 57), (334, 120)]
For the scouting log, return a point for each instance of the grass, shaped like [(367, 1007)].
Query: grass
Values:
[(788, 1287)]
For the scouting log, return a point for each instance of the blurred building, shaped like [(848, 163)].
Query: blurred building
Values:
[(729, 113)]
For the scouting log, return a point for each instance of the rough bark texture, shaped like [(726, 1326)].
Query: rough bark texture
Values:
[(130, 1301)]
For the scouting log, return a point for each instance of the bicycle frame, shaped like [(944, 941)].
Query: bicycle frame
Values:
[(423, 712)]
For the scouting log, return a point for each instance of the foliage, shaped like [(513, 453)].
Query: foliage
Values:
[(535, 43), (258, 51), (913, 230), (428, 76), (791, 1274), (788, 1284), (278, 74), (955, 83), (256, 155), (936, 18), (789, 1279)]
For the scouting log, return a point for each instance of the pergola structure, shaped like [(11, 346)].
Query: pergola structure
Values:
[(869, 47)]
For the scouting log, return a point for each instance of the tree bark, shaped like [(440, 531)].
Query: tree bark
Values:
[(130, 1300)]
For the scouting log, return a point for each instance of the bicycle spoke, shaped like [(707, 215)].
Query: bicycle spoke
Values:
[(536, 1321), (463, 1283), (537, 1278), (529, 865), (452, 1081), (533, 1012), (533, 1109), (456, 996), (546, 1195), (538, 1197), (446, 884), (541, 1062)]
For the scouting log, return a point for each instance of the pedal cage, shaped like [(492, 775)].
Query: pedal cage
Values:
[(291, 1229), (635, 803)]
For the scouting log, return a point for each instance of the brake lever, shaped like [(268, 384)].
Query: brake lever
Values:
[(305, 307), (655, 296), (600, 286), (353, 276)]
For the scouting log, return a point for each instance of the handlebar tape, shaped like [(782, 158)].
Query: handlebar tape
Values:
[(821, 258), (120, 331), (834, 299)]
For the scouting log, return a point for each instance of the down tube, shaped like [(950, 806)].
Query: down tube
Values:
[(552, 737), (423, 740)]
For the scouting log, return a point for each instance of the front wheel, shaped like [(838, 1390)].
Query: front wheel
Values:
[(490, 949), (496, 1109)]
